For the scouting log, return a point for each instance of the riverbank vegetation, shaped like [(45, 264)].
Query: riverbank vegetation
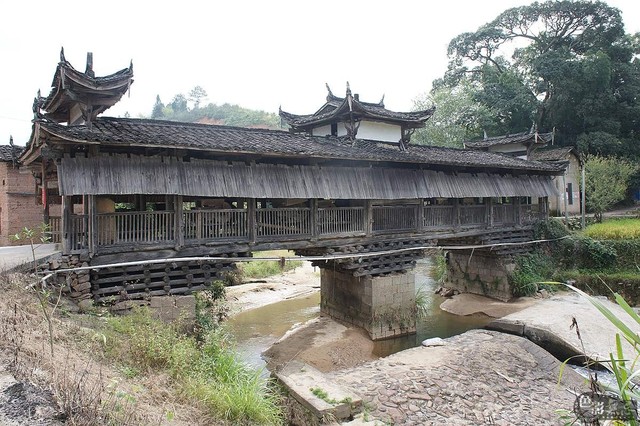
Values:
[(203, 367), (131, 369), (602, 259), (266, 268)]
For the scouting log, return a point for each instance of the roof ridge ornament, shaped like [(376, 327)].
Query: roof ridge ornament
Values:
[(381, 103), (329, 92), (89, 69), (62, 58)]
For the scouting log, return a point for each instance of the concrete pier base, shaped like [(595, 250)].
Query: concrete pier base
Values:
[(384, 306)]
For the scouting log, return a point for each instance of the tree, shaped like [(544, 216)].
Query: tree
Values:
[(197, 95), (457, 118), (179, 104), (158, 108), (554, 63), (606, 183)]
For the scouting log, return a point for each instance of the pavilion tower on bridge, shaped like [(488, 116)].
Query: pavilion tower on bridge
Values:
[(344, 180), (352, 118)]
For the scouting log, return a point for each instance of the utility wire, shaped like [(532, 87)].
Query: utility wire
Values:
[(305, 258)]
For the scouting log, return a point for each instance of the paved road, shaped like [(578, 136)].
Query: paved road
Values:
[(15, 256)]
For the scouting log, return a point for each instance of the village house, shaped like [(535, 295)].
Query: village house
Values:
[(345, 179), (535, 146), (568, 200), (19, 205)]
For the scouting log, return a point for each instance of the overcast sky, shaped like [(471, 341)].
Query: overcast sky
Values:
[(258, 54)]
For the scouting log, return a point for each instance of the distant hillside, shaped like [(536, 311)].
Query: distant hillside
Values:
[(186, 109)]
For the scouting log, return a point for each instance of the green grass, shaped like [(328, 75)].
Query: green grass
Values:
[(205, 371), (267, 268), (614, 229)]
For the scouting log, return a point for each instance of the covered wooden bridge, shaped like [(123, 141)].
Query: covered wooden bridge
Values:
[(135, 189)]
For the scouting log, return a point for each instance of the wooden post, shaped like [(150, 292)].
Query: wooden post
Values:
[(314, 219), (582, 197), (456, 213), (420, 215), (92, 230), (518, 209), (178, 221), (565, 198), (252, 226), (490, 212), (368, 217), (45, 194), (66, 227)]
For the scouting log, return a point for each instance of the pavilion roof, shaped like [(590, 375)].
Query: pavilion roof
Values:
[(237, 141), (70, 86), (337, 108)]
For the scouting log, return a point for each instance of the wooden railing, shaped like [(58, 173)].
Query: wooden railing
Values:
[(504, 214), (394, 218), (340, 220), (439, 217), (55, 229), (283, 222), (164, 228), (78, 233), (215, 224), (135, 227), (473, 215)]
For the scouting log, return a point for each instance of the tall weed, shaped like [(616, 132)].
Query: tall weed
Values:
[(205, 370)]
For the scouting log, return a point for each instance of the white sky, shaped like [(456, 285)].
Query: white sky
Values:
[(258, 54)]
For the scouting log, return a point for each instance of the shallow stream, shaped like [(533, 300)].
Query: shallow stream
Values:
[(257, 329)]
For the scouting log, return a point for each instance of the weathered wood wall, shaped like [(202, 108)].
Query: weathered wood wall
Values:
[(166, 175)]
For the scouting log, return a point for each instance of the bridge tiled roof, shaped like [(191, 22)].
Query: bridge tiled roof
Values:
[(275, 143), (523, 138)]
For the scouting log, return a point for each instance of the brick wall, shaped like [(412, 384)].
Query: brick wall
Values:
[(18, 205)]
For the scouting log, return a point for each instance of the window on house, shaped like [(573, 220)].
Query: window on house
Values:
[(334, 129), (570, 193)]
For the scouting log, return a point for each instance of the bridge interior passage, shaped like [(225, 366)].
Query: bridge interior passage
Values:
[(108, 224)]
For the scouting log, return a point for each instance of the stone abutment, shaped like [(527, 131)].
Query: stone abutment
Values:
[(385, 306)]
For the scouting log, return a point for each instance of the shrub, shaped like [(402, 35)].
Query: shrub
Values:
[(550, 229), (531, 270)]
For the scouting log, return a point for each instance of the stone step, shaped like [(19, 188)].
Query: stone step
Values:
[(321, 397)]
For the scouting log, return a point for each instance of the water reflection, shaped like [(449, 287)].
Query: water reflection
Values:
[(257, 329)]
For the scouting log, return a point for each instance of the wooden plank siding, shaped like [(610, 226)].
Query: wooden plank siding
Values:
[(120, 174)]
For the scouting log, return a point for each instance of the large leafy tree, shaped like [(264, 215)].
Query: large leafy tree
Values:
[(457, 118), (563, 64)]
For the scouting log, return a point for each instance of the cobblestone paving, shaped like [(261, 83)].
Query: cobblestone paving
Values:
[(478, 378)]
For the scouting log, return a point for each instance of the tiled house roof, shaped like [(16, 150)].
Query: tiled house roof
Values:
[(9, 153), (523, 138)]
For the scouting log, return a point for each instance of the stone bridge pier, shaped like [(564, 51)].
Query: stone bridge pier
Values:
[(385, 306)]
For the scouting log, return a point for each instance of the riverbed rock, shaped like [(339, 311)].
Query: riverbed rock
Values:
[(434, 341), (479, 377)]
